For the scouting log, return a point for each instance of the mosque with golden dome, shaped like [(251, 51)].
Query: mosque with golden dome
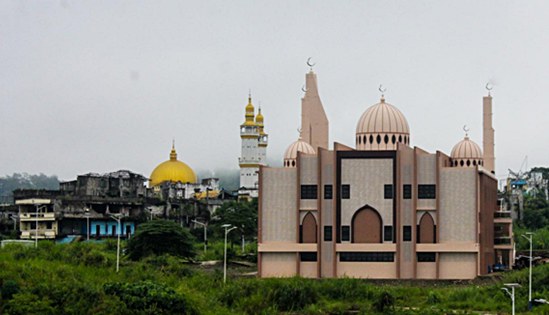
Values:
[(176, 180), (383, 208)]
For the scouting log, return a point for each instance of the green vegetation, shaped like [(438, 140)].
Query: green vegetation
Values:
[(160, 237), (79, 279)]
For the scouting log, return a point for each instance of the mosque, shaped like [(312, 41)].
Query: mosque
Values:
[(173, 179), (383, 208)]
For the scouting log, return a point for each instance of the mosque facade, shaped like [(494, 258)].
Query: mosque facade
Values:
[(383, 208), (253, 151)]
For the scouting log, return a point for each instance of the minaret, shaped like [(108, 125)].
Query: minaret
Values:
[(253, 150), (488, 134), (314, 122)]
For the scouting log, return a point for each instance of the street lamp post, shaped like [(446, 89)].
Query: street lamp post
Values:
[(117, 218), (205, 225), (511, 294), (528, 236), (227, 230)]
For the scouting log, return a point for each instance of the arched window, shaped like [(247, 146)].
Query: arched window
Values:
[(308, 229), (426, 228), (371, 139), (366, 226), (378, 139), (394, 139)]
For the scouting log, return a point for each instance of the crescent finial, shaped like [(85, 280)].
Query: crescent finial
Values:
[(382, 89), (466, 129), (311, 65), (489, 87), (303, 89)]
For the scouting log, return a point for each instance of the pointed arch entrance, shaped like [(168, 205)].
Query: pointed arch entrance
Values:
[(366, 225), (426, 227), (308, 228)]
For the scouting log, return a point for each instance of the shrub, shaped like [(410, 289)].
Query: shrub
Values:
[(159, 237), (147, 297), (8, 289)]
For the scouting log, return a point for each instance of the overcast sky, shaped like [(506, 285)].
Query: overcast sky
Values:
[(97, 86)]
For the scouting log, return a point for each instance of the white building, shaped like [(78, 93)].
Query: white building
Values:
[(253, 151)]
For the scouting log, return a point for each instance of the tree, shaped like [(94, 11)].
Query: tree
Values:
[(159, 237), (242, 214)]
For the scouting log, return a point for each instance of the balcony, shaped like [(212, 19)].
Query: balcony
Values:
[(502, 214), (33, 216), (503, 240), (503, 217), (42, 234)]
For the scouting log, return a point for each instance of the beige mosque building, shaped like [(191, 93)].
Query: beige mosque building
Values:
[(383, 208)]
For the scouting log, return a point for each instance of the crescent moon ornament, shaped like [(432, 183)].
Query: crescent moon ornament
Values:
[(466, 129), (311, 65), (489, 87), (304, 89), (382, 89)]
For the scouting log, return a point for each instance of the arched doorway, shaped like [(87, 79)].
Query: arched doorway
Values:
[(426, 229), (366, 226), (308, 229)]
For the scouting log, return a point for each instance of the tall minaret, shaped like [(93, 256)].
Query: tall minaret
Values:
[(314, 123), (253, 150), (488, 134)]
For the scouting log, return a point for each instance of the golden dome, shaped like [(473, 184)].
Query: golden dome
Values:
[(290, 156), (382, 127), (172, 170), (249, 113), (466, 153)]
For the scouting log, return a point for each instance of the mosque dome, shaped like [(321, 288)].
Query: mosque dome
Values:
[(172, 170), (382, 127), (466, 153), (290, 156)]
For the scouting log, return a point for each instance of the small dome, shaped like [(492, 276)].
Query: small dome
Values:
[(290, 156), (172, 170), (382, 127), (466, 153)]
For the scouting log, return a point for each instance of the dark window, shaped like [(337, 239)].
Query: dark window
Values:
[(394, 139), (378, 139), (327, 191), (309, 191), (301, 233), (426, 191), (345, 233), (388, 233), (371, 139), (345, 191), (386, 139), (49, 225), (308, 256), (426, 257), (407, 233), (388, 191), (367, 256), (407, 191), (328, 233)]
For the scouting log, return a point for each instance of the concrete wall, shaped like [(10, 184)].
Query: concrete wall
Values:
[(326, 256), (367, 270), (278, 217), (426, 270), (458, 205), (278, 265), (308, 269), (457, 265)]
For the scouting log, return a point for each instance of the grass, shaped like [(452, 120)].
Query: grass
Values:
[(80, 279)]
